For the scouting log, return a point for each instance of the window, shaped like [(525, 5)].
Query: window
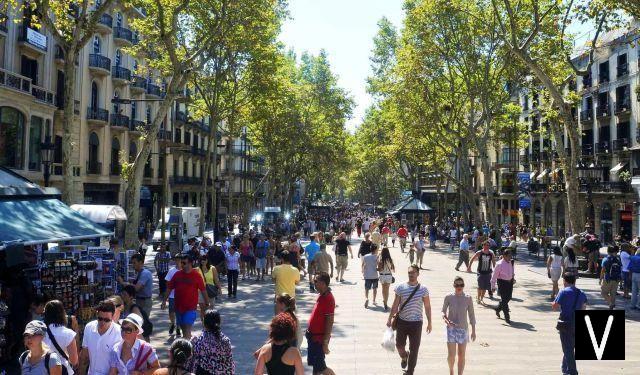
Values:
[(604, 72), (11, 137), (118, 60), (134, 110), (623, 67), (118, 19), (96, 45), (133, 151), (116, 106), (94, 149), (115, 156), (148, 114), (94, 95), (29, 68), (57, 150), (35, 138)]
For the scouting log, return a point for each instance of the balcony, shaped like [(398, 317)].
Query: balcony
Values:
[(104, 24), (587, 150), (603, 77), (138, 85), (178, 137), (154, 90), (603, 147), (94, 167), (181, 118), (623, 70), (623, 107), (603, 110), (122, 36), (609, 187), (32, 40), (586, 116), (43, 95), (164, 136), (587, 81), (137, 126), (99, 65), (185, 180), (539, 188), (115, 169), (534, 156), (620, 144), (198, 151), (15, 81), (97, 116), (119, 121), (120, 75)]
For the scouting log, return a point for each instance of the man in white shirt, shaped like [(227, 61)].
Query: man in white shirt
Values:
[(100, 336), (172, 311), (421, 246), (453, 238)]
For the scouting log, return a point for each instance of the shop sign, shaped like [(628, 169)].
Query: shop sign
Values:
[(37, 39)]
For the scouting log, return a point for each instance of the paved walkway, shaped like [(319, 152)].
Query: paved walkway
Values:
[(529, 345)]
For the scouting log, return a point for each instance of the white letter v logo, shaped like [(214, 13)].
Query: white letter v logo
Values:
[(599, 349)]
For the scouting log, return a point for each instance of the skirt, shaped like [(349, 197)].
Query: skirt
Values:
[(556, 273), (484, 281)]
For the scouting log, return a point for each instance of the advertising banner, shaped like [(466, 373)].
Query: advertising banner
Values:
[(524, 190)]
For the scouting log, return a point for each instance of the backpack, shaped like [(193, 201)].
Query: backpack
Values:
[(47, 357), (613, 268)]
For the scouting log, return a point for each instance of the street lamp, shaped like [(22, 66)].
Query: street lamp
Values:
[(46, 151), (218, 184)]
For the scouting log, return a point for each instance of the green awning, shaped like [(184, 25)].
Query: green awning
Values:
[(39, 220)]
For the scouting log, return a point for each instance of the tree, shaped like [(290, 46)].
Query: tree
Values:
[(72, 24)]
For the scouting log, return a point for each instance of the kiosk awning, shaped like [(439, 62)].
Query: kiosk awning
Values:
[(38, 220), (100, 213)]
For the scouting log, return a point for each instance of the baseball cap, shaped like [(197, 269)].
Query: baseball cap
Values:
[(35, 327)]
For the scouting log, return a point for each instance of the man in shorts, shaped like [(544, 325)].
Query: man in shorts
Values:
[(370, 273), (187, 283), (311, 249), (172, 308), (342, 260), (262, 251), (486, 262), (320, 326)]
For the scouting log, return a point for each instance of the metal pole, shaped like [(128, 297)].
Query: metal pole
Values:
[(163, 198)]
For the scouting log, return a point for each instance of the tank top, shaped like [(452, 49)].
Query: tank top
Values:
[(275, 366), (556, 261), (484, 262), (245, 250)]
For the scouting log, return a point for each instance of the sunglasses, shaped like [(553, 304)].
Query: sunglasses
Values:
[(128, 329), (458, 285), (104, 320)]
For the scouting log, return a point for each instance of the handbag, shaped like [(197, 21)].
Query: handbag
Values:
[(212, 291), (563, 325), (394, 319), (393, 279)]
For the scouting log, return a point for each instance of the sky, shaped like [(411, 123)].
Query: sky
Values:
[(345, 29)]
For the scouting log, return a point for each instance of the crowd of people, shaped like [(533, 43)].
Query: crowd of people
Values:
[(191, 283)]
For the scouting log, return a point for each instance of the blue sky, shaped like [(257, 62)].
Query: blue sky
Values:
[(345, 29)]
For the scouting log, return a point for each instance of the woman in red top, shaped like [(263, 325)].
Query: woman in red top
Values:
[(246, 256)]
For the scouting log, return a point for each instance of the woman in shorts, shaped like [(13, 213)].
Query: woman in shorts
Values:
[(455, 310), (554, 270)]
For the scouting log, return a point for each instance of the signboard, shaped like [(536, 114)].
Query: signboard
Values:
[(407, 193), (524, 190), (37, 39)]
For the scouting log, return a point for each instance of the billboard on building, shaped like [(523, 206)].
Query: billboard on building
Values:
[(524, 190)]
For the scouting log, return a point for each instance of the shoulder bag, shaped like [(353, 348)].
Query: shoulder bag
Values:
[(563, 325), (394, 320), (62, 353)]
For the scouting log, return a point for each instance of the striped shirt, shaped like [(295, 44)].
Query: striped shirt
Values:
[(412, 312), (162, 260)]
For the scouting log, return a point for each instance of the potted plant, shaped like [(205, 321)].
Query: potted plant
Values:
[(625, 176)]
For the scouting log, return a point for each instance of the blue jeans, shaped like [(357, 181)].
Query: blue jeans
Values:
[(568, 342), (635, 288)]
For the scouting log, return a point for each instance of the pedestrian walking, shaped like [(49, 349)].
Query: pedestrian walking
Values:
[(246, 256), (212, 353), (406, 318), (143, 283), (59, 338), (570, 262), (262, 252), (433, 236), (457, 306), (453, 237), (610, 276), (463, 256), (420, 246), (625, 257), (211, 283), (285, 277), (188, 284), (554, 270), (376, 237), (503, 276), (370, 274), (386, 269), (568, 301), (365, 246), (322, 262), (402, 236), (179, 354), (311, 249), (634, 270), (320, 326), (132, 355), (232, 257), (38, 359), (278, 356), (161, 263), (486, 262), (170, 296), (99, 334)]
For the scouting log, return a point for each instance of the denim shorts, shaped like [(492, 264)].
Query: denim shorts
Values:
[(315, 354), (370, 284), (186, 318)]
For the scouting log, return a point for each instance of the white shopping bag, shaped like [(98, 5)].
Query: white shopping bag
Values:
[(389, 340)]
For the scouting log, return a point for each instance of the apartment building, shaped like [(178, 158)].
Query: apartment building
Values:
[(31, 102)]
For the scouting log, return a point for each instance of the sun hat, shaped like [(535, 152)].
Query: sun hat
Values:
[(35, 327), (134, 319)]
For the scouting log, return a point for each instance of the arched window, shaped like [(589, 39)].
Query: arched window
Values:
[(133, 151), (96, 44), (119, 19), (118, 60), (94, 149), (94, 95), (115, 156), (11, 137)]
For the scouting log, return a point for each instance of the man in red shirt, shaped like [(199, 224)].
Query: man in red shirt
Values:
[(402, 234), (320, 326), (187, 283)]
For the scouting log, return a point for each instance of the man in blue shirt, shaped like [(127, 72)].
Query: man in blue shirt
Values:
[(463, 257), (568, 301), (311, 249), (634, 270)]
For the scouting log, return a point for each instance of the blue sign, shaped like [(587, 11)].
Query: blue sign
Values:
[(524, 189)]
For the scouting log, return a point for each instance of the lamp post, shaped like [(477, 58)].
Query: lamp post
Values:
[(46, 151), (218, 184)]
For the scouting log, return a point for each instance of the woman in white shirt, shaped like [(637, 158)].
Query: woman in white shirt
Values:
[(133, 356), (570, 263), (59, 338), (554, 270)]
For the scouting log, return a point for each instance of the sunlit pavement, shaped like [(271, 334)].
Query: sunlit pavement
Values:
[(529, 345)]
